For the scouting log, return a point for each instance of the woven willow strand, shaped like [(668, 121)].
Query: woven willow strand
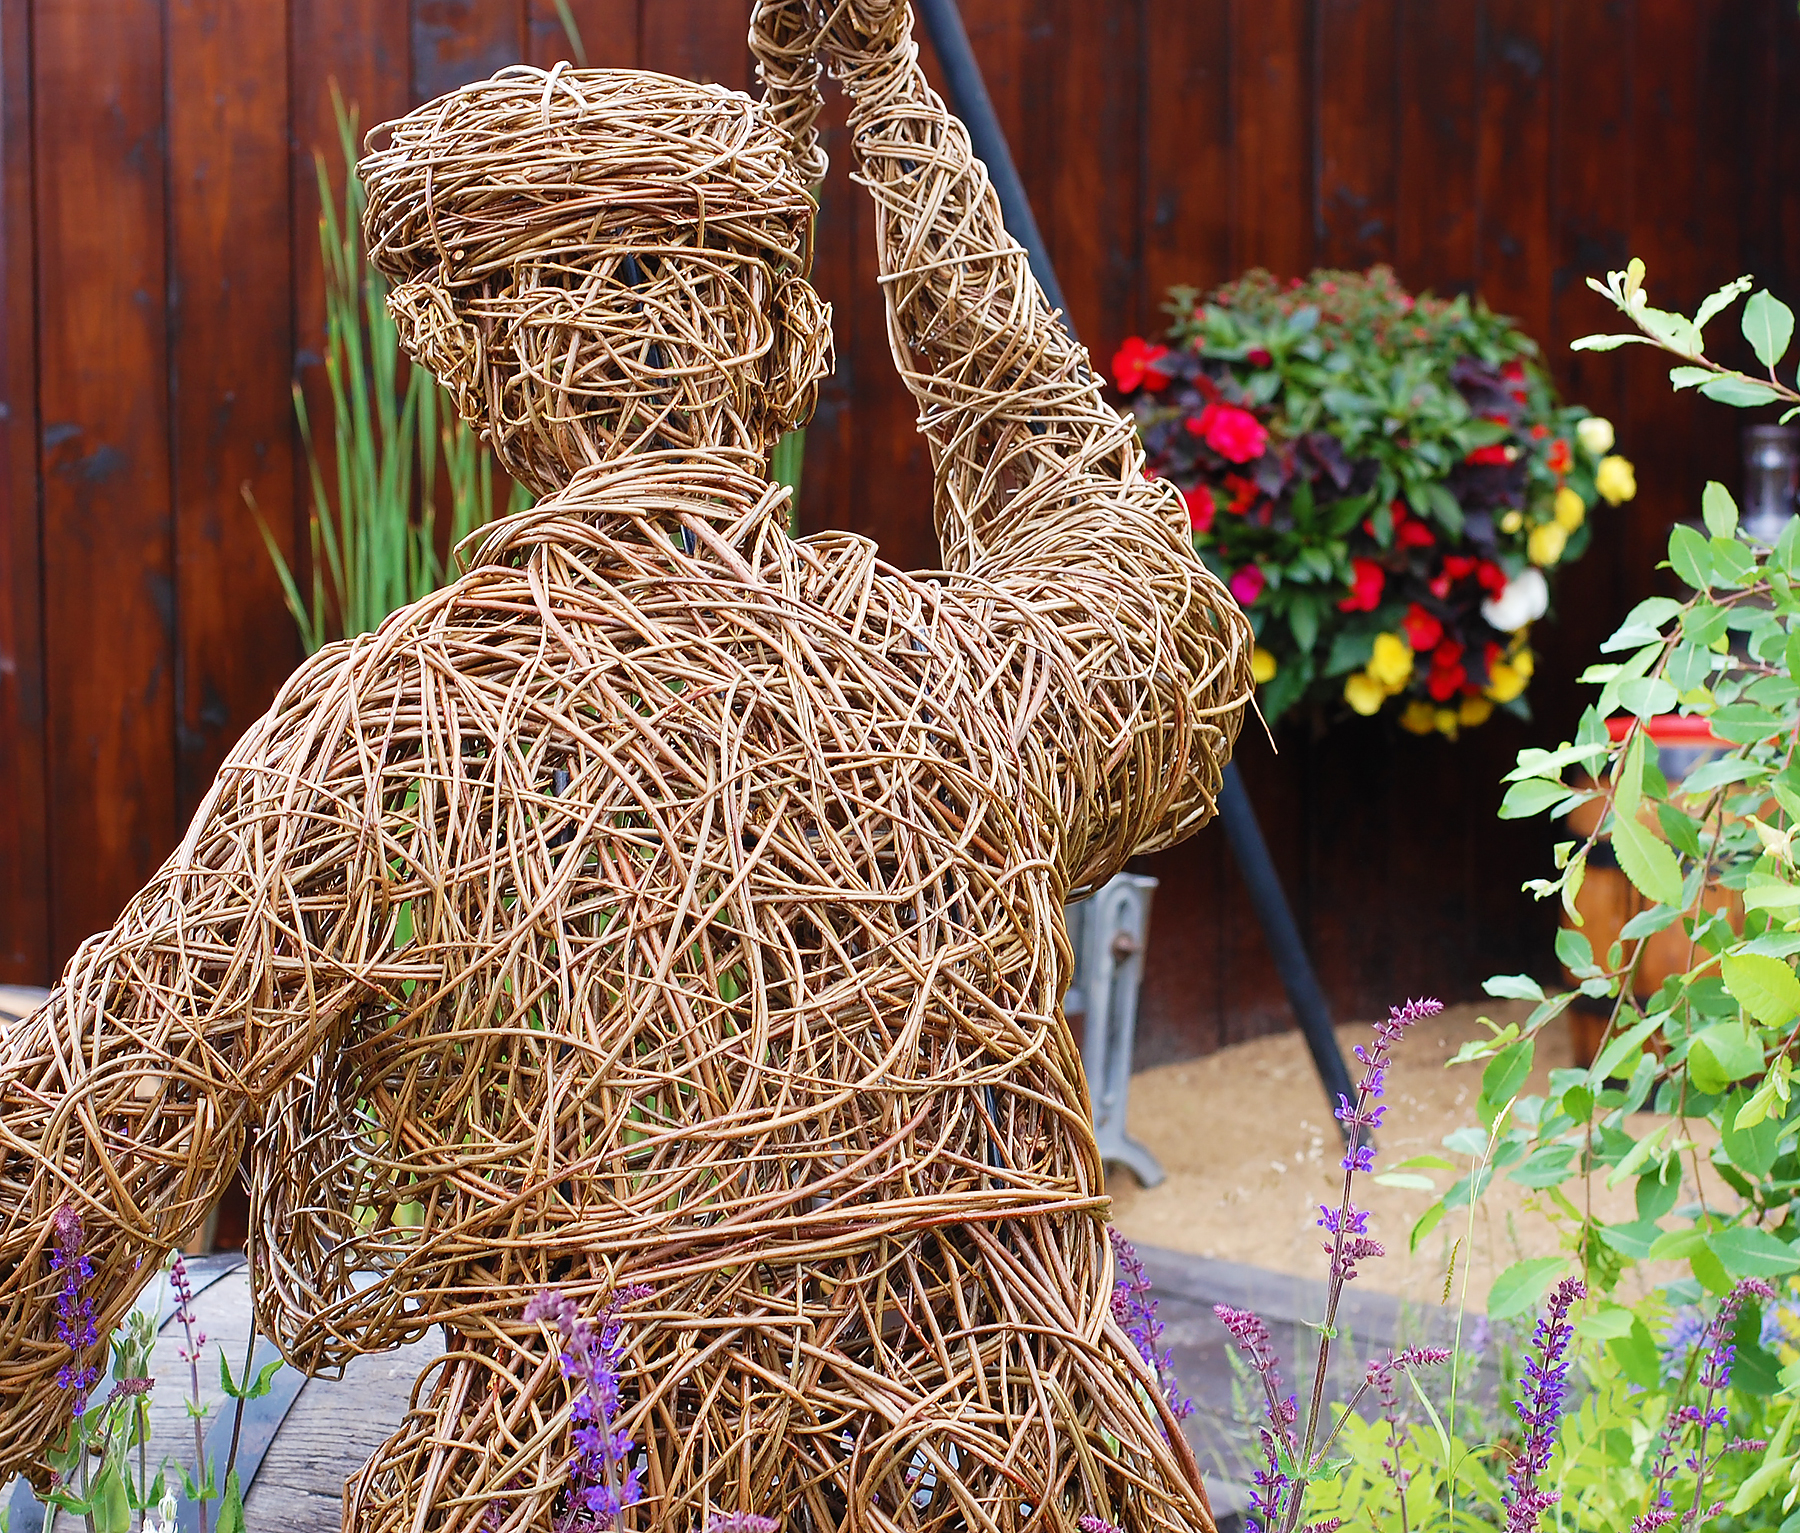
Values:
[(668, 902)]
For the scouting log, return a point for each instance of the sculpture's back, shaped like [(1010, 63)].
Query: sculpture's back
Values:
[(669, 903)]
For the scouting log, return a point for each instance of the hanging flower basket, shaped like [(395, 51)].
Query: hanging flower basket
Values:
[(1388, 485)]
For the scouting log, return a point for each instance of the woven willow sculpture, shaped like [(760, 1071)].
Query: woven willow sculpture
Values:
[(668, 902)]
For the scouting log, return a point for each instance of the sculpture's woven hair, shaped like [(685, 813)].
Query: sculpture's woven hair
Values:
[(600, 261), (668, 901)]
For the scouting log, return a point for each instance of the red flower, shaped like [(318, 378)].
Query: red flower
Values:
[(1243, 494), (1233, 433), (1247, 585), (1439, 584), (1422, 630), (1443, 683), (1514, 369), (1134, 364), (1539, 432), (1366, 582), (1410, 531), (1256, 356), (1491, 576), (1201, 506), (1559, 460), (1497, 453), (1460, 566)]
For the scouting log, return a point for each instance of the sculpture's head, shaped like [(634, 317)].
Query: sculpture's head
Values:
[(598, 262)]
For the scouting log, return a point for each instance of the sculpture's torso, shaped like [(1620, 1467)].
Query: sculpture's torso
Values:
[(701, 910)]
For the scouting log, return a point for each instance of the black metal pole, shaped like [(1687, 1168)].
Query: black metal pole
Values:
[(969, 100)]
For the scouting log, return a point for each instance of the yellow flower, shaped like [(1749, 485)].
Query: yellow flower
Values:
[(1546, 543), (1392, 662), (1445, 720), (1616, 479), (1473, 712), (1364, 693), (1512, 521), (1420, 717), (1505, 682), (1263, 665), (1571, 509), (1595, 434), (1524, 663)]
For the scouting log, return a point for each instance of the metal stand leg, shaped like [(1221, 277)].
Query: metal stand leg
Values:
[(969, 100), (1108, 931)]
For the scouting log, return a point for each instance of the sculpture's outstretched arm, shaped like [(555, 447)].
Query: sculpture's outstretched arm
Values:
[(1040, 486), (127, 1096)]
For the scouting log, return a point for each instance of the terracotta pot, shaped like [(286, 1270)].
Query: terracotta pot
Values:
[(1608, 899)]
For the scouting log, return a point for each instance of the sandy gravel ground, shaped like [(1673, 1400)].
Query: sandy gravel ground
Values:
[(1251, 1149)]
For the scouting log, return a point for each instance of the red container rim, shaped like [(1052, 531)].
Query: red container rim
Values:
[(1668, 729)]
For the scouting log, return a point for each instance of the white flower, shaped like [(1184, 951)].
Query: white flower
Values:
[(1595, 433), (1525, 599), (162, 1520)]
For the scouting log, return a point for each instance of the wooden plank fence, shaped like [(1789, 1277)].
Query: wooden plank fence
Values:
[(160, 287)]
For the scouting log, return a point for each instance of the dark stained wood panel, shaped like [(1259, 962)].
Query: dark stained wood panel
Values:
[(24, 873), (161, 283), (456, 41), (1355, 189), (108, 592), (229, 339)]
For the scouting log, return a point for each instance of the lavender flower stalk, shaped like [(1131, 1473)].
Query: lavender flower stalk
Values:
[(1540, 1408), (190, 1354), (1715, 1379), (1135, 1311), (1269, 1483), (1346, 1224), (601, 1484), (75, 1326)]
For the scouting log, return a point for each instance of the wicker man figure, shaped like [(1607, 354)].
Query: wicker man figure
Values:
[(669, 912)]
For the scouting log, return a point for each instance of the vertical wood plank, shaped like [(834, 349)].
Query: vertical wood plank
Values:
[(108, 592), (24, 885), (361, 48), (456, 41), (1439, 94), (608, 30), (1273, 172), (704, 40), (1515, 171), (1354, 194), (1188, 66), (1091, 82), (229, 341)]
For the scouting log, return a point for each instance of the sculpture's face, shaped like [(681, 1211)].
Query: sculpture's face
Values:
[(598, 262)]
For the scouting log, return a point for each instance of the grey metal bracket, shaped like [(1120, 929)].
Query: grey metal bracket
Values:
[(1108, 931)]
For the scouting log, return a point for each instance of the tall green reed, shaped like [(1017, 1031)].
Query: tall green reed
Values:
[(399, 447)]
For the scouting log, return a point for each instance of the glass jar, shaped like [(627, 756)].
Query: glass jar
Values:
[(1771, 476)]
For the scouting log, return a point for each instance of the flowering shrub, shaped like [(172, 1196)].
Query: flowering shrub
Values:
[(1715, 1172), (1384, 482)]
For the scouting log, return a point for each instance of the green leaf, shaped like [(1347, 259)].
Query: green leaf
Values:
[(1513, 987), (1521, 1286), (1690, 556), (1687, 377), (1750, 1136), (1768, 327), (1531, 797), (1647, 696), (1647, 861), (1718, 509), (1546, 1166), (1745, 723), (1765, 987), (1507, 1072), (1723, 1053), (1427, 1222), (1735, 389), (231, 1509), (1724, 298), (1744, 1252), (1608, 342), (1407, 1179), (1627, 1045)]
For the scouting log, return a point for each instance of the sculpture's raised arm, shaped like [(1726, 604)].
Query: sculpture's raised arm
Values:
[(1039, 482)]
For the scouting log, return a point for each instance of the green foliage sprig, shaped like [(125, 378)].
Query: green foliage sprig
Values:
[(1711, 1052)]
